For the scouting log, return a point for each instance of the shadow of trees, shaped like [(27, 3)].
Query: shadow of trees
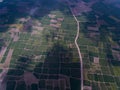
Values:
[(57, 55), (58, 69)]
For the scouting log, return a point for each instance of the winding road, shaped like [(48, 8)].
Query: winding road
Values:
[(77, 46)]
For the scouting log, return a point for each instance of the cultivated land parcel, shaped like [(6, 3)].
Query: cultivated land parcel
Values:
[(38, 49)]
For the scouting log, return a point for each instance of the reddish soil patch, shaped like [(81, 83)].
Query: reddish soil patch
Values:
[(29, 78)]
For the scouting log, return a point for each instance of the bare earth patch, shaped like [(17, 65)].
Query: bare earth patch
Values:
[(29, 78), (16, 38), (51, 16)]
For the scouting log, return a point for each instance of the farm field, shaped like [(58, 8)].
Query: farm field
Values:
[(43, 53), (50, 45)]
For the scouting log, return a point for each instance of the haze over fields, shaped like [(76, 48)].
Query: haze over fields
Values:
[(60, 45)]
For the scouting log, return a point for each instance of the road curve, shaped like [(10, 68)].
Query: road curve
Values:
[(77, 46)]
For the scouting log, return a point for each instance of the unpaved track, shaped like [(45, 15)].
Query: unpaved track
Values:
[(77, 46), (2, 52), (2, 79), (8, 59), (5, 67)]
